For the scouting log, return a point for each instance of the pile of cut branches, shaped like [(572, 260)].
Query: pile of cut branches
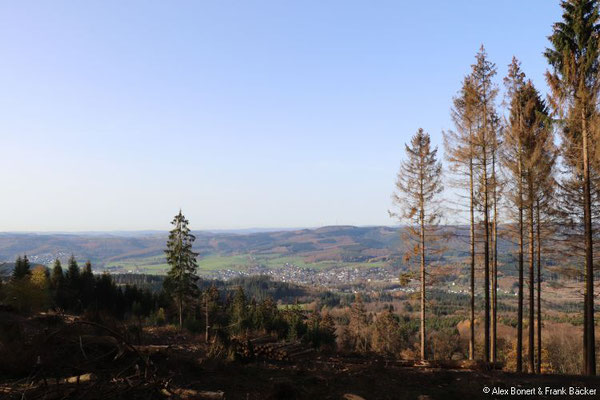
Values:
[(79, 359)]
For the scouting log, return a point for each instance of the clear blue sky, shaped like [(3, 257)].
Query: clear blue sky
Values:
[(243, 113)]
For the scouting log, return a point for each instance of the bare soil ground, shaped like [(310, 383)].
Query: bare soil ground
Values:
[(68, 358)]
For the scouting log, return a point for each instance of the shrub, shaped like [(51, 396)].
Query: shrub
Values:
[(564, 355), (444, 343)]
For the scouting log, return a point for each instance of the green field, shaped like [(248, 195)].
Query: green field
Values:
[(214, 262), (158, 265)]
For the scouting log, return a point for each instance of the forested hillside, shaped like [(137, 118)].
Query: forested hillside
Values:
[(143, 252)]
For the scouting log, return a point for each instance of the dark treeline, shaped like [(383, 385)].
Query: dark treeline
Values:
[(258, 287), (221, 309), (76, 290)]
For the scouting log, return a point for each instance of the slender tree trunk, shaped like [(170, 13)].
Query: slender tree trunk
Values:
[(585, 331), (486, 239), (492, 297), (531, 282), (423, 355), (180, 313), (472, 337), (494, 259), (520, 289), (539, 290), (486, 245), (206, 317), (590, 349)]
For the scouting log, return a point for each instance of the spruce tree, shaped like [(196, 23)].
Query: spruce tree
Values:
[(238, 313), (496, 185), (22, 268), (485, 144), (181, 279), (358, 326), (574, 82), (73, 272), (460, 153), (57, 283), (529, 156), (73, 285), (418, 186), (57, 273), (545, 209), (87, 284), (513, 158)]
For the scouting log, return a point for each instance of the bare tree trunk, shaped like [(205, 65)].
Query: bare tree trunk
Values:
[(422, 283), (495, 258), (486, 248), (585, 331), (539, 291), (180, 313), (520, 289), (590, 348), (206, 316), (472, 337), (531, 283), (486, 239)]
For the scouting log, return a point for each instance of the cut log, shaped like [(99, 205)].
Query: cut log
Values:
[(152, 349), (350, 396), (191, 394), (70, 380)]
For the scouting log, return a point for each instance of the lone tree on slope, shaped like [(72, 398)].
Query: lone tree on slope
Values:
[(181, 279)]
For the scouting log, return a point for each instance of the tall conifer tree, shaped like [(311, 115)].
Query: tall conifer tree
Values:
[(513, 158), (485, 142), (574, 60), (459, 146), (181, 278), (418, 187)]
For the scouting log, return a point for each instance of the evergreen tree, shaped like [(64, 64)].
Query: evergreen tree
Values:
[(22, 268), (294, 317), (181, 279), (105, 294), (574, 60), (320, 330), (73, 272), (418, 187), (328, 330), (388, 337), (544, 170), (57, 273), (73, 285), (268, 316), (496, 188), (358, 326), (485, 144), (57, 283), (460, 152), (87, 284), (529, 157), (514, 159), (238, 314)]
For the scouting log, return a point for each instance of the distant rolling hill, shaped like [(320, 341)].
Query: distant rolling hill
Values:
[(143, 252)]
